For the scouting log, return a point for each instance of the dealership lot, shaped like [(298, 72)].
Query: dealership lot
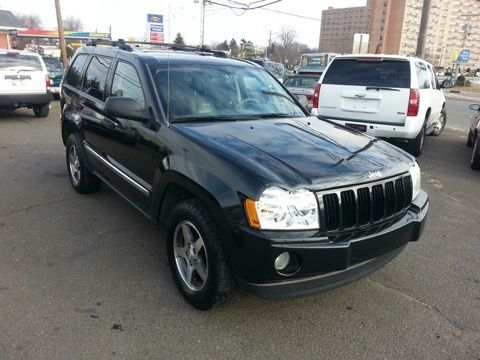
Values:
[(85, 277)]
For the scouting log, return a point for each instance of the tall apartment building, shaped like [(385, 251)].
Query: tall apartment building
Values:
[(339, 26), (394, 25)]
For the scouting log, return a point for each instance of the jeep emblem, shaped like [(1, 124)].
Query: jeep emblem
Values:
[(374, 175)]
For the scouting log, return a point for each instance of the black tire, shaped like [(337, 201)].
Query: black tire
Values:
[(219, 285), (470, 138), (441, 123), (41, 110), (415, 146), (475, 159), (82, 180)]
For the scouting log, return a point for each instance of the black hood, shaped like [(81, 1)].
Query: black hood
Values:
[(299, 152)]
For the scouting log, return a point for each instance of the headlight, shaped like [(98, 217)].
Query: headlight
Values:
[(279, 209), (416, 179)]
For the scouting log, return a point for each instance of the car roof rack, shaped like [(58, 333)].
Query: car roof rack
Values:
[(135, 45)]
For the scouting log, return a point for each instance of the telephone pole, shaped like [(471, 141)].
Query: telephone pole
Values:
[(63, 46), (202, 23), (422, 34)]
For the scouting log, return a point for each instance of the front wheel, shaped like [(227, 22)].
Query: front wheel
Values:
[(415, 146), (41, 110), (196, 256), (439, 124), (475, 159)]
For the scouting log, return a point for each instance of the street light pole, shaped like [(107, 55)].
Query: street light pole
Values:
[(63, 47), (422, 34)]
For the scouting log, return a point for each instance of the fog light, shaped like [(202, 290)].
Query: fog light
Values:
[(281, 262)]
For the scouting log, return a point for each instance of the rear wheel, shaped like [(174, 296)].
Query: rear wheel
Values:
[(41, 110), (439, 124), (470, 138), (82, 180), (415, 146), (475, 160), (196, 256)]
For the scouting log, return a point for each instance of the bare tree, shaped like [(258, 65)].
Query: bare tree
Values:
[(287, 37), (71, 23), (29, 21)]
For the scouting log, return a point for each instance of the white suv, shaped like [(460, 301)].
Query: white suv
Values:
[(24, 82), (388, 96)]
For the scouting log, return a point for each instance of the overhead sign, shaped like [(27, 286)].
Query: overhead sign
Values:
[(152, 18), (155, 28), (460, 56)]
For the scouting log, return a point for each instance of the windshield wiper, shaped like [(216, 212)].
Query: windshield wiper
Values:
[(381, 88), (183, 119), (269, 116), (276, 93)]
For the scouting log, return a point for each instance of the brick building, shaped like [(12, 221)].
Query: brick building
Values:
[(394, 25), (339, 26)]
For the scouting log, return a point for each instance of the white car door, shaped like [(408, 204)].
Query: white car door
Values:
[(437, 97)]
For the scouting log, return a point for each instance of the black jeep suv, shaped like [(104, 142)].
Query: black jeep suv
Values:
[(252, 189)]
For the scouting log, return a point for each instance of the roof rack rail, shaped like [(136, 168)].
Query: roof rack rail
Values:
[(132, 45), (179, 47), (120, 43)]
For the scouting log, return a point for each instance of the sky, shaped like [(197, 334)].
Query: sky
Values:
[(128, 18)]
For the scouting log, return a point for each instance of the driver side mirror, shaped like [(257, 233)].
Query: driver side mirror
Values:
[(125, 107), (446, 84), (474, 107)]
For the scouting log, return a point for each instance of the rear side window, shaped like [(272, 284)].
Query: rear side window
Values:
[(127, 83), (74, 75), (96, 76), (301, 81), (423, 75), (14, 60), (388, 73)]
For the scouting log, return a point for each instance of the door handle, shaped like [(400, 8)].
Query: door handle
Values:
[(109, 123)]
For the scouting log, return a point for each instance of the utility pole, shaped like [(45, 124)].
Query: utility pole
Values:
[(202, 23), (422, 34), (63, 46)]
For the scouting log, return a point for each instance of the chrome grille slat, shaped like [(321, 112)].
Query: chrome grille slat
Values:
[(363, 206)]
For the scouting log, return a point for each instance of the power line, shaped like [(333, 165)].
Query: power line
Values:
[(245, 7), (287, 13)]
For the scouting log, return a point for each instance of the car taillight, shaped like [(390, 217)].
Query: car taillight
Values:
[(316, 96), (48, 83), (413, 102)]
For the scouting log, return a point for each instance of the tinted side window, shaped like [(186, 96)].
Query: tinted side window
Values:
[(95, 77), (127, 83), (74, 75), (389, 73), (422, 74)]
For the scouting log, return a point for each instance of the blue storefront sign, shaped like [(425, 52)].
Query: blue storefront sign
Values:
[(156, 28)]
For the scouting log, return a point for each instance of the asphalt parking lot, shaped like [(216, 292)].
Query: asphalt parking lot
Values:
[(86, 277)]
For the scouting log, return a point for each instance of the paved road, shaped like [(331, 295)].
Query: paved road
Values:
[(86, 277), (458, 114)]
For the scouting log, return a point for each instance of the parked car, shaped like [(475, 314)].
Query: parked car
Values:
[(388, 96), (274, 68), (473, 138), (55, 71), (252, 190), (302, 84), (24, 82)]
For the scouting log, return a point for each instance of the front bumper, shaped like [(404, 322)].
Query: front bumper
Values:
[(25, 100), (323, 265)]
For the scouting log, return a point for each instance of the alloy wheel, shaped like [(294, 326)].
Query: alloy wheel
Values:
[(190, 256), (74, 165)]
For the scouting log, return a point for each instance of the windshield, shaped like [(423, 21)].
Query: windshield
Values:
[(308, 82), (53, 64), (192, 92), (16, 60)]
